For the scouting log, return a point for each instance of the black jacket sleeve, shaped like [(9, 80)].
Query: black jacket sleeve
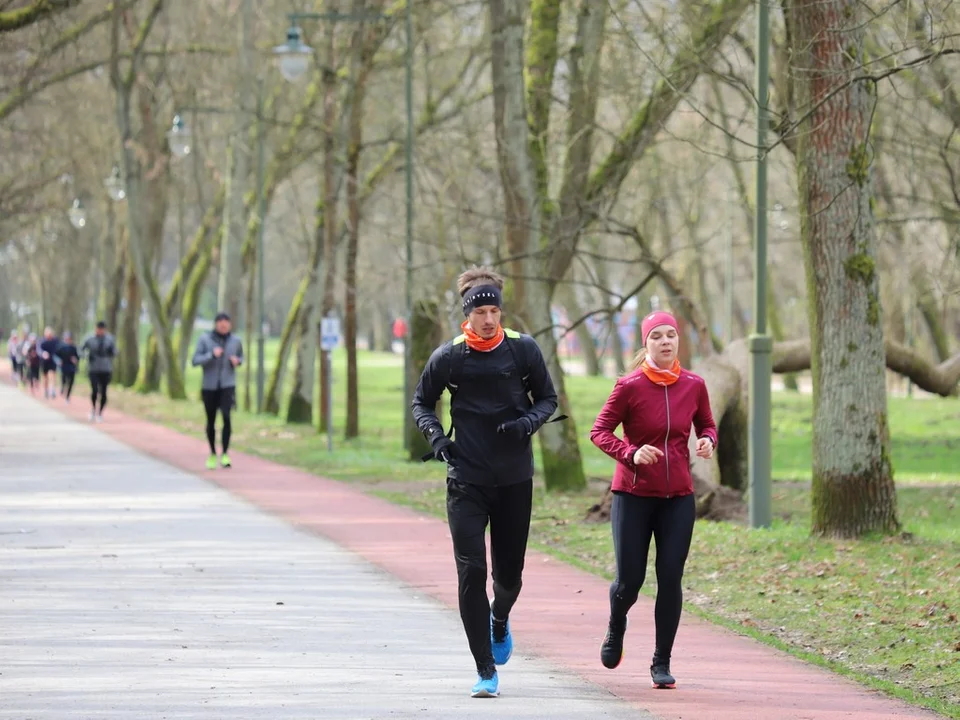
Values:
[(433, 381), (541, 385)]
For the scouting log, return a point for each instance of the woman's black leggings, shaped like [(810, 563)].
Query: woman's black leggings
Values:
[(66, 383), (670, 521)]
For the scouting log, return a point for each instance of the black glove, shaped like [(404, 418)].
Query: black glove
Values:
[(517, 429), (442, 445)]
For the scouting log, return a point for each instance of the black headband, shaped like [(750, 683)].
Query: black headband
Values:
[(481, 295)]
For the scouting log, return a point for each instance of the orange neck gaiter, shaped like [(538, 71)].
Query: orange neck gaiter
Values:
[(660, 376), (475, 342)]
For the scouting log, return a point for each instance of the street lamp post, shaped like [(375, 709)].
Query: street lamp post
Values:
[(294, 59), (761, 344)]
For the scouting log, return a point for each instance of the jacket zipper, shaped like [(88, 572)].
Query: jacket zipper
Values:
[(666, 439)]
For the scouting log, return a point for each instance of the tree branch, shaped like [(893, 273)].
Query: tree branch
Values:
[(794, 356), (25, 16)]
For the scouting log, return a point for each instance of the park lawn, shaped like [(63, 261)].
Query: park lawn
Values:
[(882, 610)]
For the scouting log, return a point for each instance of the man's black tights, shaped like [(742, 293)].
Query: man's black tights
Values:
[(222, 401), (469, 509)]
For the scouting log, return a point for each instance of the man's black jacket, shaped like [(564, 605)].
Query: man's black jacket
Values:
[(490, 391)]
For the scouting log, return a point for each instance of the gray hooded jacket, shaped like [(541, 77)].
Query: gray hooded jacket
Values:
[(100, 350), (218, 372)]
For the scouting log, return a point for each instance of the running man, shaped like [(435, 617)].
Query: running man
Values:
[(100, 349), (219, 353), (48, 362), (69, 358), (501, 394)]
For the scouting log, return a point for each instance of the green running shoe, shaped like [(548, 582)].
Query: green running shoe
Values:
[(212, 462), (225, 460)]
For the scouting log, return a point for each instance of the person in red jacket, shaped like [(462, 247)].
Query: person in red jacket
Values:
[(656, 403)]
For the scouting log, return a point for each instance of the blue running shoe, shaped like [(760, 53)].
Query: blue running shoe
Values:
[(501, 641), (488, 685)]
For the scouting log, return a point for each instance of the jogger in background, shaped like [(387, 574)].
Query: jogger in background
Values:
[(219, 353), (100, 349)]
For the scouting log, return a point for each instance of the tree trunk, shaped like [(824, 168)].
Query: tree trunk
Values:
[(190, 302), (853, 489), (249, 316), (271, 402), (230, 290), (114, 285), (588, 348), (300, 406), (561, 460), (354, 141), (426, 333), (129, 336)]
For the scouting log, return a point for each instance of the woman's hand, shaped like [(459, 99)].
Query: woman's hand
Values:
[(647, 455), (705, 448)]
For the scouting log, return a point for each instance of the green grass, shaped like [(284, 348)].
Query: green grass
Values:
[(883, 610)]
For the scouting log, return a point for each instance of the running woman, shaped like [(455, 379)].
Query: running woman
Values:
[(69, 358), (219, 353), (13, 352), (652, 487), (100, 349), (31, 361), (48, 362), (491, 373)]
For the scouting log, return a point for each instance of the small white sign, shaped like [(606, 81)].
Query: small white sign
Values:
[(329, 333)]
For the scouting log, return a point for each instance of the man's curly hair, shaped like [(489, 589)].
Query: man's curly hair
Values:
[(477, 275)]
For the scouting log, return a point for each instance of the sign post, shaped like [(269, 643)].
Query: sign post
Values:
[(329, 339)]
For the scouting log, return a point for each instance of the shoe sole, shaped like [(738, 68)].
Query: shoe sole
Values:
[(665, 686), (485, 694)]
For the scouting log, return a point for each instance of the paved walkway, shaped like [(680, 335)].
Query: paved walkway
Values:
[(129, 588)]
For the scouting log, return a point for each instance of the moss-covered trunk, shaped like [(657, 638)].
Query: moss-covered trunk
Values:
[(425, 334), (853, 489), (128, 362), (271, 402)]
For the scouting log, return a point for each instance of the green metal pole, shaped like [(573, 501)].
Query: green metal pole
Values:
[(261, 259), (761, 344), (408, 289)]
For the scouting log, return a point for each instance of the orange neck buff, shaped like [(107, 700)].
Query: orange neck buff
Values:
[(660, 376), (475, 342)]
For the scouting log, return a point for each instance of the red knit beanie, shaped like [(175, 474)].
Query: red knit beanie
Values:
[(655, 319)]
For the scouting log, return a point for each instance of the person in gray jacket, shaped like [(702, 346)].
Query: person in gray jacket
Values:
[(219, 354), (99, 349)]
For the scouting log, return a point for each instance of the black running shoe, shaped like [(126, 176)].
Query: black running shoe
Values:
[(611, 651), (660, 674)]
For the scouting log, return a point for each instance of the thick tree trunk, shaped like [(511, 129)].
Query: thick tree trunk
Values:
[(532, 296), (354, 142), (300, 406), (114, 286), (128, 364), (287, 336), (853, 489), (426, 333), (190, 303)]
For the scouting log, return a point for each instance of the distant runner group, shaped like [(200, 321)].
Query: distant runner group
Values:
[(35, 363)]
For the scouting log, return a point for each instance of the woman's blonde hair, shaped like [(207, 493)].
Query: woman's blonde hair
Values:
[(478, 275), (638, 359)]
